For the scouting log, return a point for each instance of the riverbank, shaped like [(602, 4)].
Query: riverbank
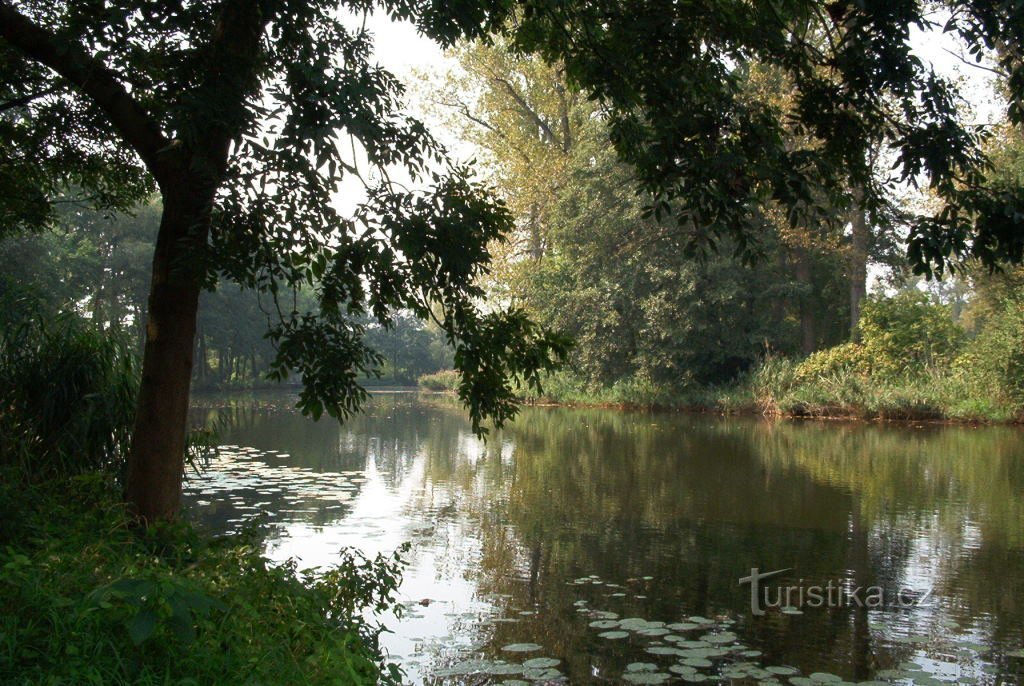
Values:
[(88, 598), (779, 389)]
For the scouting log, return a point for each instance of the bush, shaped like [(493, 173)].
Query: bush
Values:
[(995, 358), (68, 391), (86, 599), (907, 333), (444, 380), (841, 359)]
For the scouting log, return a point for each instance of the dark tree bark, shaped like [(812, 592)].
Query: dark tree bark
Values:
[(156, 461)]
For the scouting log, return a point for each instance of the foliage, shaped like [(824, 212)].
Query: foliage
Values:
[(258, 122), (995, 358), (444, 380), (87, 599), (585, 260), (708, 155), (68, 393), (906, 333), (846, 357)]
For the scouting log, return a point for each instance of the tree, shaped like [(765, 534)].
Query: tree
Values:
[(238, 112)]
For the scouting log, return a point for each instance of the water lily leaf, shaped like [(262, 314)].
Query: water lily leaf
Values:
[(541, 663), (782, 671), (604, 624), (683, 626), (724, 637), (544, 674), (825, 678), (697, 662), (503, 669), (613, 635), (521, 647), (641, 667), (662, 650), (646, 677)]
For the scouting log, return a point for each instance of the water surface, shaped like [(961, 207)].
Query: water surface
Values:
[(573, 518)]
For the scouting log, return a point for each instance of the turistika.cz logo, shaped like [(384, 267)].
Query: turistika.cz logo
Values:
[(793, 598)]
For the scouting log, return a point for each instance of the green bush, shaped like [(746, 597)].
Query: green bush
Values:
[(844, 358), (907, 333), (995, 358), (444, 380), (68, 391), (87, 599)]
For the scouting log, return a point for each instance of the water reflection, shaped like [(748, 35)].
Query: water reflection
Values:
[(660, 514)]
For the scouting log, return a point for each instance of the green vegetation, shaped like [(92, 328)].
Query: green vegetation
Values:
[(669, 185), (88, 597), (444, 380)]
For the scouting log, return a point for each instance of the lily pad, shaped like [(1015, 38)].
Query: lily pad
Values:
[(520, 647), (825, 678), (613, 635), (662, 650), (541, 663), (604, 624), (724, 637), (544, 674), (683, 626), (641, 667), (646, 677)]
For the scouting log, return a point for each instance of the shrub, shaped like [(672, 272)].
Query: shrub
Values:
[(86, 599), (907, 333), (843, 358), (995, 358), (68, 391), (444, 380)]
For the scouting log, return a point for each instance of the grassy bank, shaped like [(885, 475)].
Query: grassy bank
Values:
[(781, 388), (87, 599)]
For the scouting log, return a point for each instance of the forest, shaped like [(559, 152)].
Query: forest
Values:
[(768, 209)]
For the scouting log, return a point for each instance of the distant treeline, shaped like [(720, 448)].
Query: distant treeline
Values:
[(97, 266)]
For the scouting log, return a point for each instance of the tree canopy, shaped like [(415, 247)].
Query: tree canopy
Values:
[(249, 115)]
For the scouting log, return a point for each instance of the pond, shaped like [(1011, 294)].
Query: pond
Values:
[(598, 546)]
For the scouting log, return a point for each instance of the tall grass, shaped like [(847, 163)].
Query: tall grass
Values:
[(68, 393)]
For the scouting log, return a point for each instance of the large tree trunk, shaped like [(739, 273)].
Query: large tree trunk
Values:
[(859, 238), (156, 460)]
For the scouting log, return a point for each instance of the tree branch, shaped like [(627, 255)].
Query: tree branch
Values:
[(92, 78), (27, 98)]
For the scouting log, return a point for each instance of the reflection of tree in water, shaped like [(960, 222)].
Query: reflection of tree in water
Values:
[(952, 495), (694, 503)]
